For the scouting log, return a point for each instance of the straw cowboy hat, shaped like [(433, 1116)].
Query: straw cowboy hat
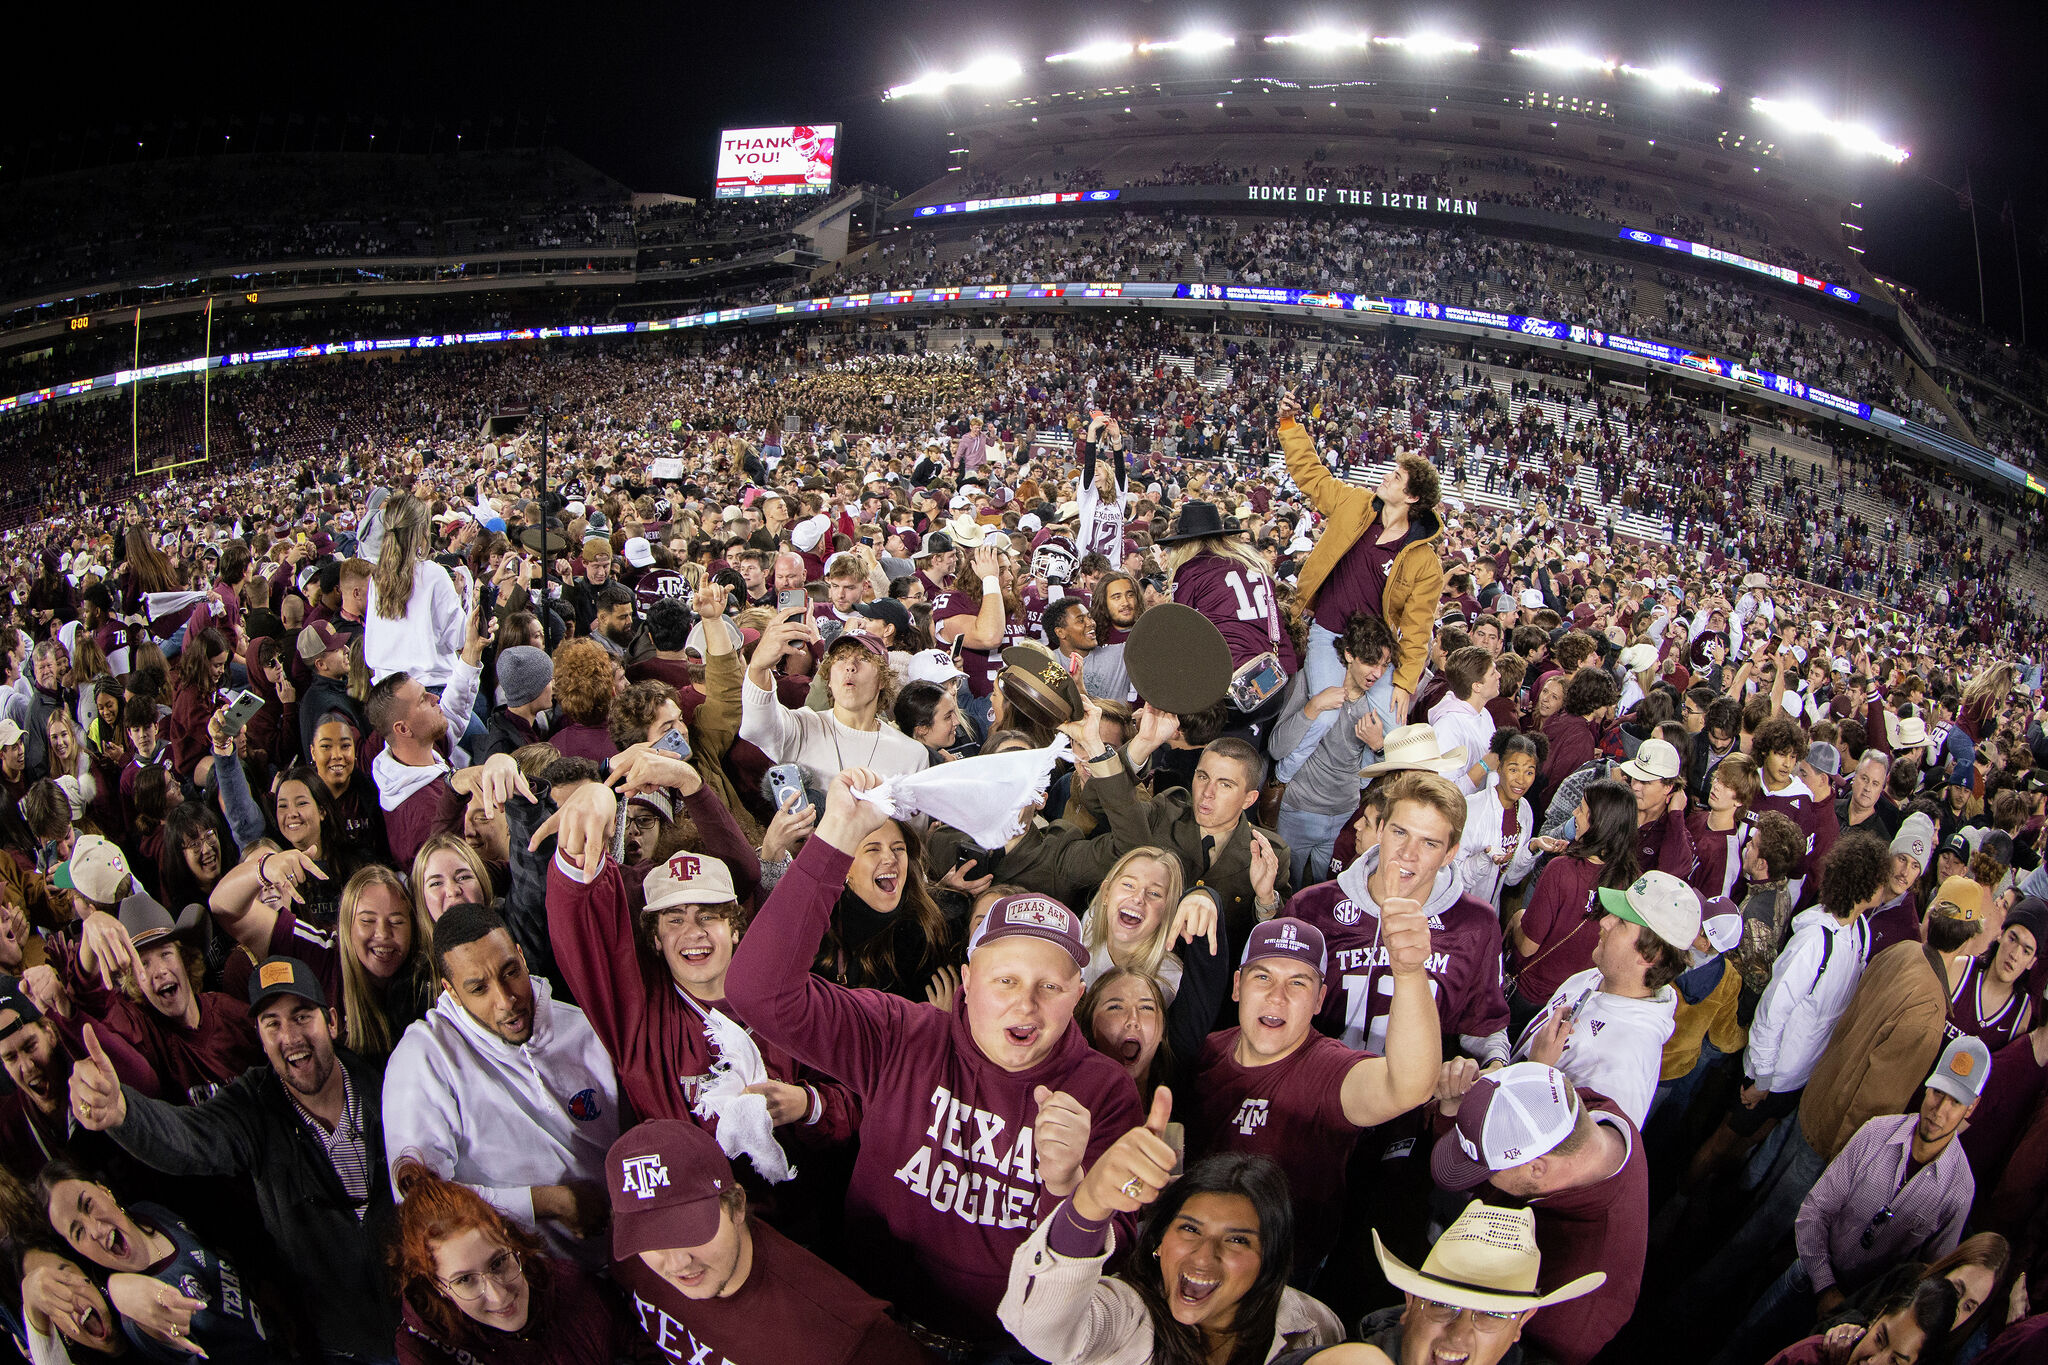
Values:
[(1413, 748), (1486, 1261)]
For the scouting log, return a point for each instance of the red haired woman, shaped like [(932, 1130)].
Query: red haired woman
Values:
[(478, 1289)]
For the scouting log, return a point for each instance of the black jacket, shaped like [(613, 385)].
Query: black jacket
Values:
[(331, 1262)]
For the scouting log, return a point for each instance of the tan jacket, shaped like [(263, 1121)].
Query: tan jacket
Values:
[(1414, 583), (1065, 1311), (1882, 1049)]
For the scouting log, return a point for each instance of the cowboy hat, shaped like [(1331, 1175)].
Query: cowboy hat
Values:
[(1487, 1260), (966, 533), (1413, 748), (1199, 521), (1907, 733)]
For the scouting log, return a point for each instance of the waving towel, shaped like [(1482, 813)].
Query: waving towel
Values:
[(744, 1128), (984, 798)]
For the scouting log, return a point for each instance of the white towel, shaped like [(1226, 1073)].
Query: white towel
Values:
[(985, 798), (744, 1128)]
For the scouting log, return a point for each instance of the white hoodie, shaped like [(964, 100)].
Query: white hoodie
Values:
[(1616, 1046), (502, 1119), (1811, 983)]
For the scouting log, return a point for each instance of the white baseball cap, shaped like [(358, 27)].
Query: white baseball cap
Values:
[(639, 553), (1655, 761), (934, 666), (1661, 903), (1507, 1119), (689, 879)]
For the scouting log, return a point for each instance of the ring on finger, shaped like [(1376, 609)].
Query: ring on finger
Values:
[(1133, 1188)]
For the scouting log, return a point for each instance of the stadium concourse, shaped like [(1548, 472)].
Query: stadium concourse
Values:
[(994, 833)]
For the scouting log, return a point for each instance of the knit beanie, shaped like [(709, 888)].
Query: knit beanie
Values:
[(524, 672)]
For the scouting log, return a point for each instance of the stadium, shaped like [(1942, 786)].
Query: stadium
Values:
[(1341, 693)]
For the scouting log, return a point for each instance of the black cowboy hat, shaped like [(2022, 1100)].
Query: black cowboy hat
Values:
[(1197, 521)]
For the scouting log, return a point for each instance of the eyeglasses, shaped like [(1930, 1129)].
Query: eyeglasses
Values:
[(504, 1271), (1444, 1314), (1877, 1221)]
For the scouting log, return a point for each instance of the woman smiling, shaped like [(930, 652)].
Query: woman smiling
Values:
[(478, 1289), (1205, 1285)]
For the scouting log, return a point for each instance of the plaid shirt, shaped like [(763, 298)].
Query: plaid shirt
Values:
[(1859, 1221), (347, 1151)]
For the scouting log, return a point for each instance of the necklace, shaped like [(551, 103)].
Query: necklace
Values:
[(875, 748)]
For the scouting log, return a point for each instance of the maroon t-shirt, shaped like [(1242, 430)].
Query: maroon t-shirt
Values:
[(1602, 1226), (1240, 603), (1359, 582), (1292, 1111), (1816, 820), (792, 1307), (1566, 897)]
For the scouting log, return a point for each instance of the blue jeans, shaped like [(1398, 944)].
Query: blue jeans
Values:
[(1324, 669), (1784, 1187), (1311, 839)]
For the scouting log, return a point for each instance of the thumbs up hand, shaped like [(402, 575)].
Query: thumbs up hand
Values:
[(96, 1088), (1134, 1170)]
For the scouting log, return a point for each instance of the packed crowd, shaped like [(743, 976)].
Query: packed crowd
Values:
[(1443, 264), (1012, 856), (1494, 179)]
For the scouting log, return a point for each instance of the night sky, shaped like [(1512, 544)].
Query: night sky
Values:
[(640, 90)]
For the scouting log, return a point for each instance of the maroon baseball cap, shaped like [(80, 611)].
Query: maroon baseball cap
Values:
[(871, 643), (1290, 938), (667, 1177), (1032, 916), (317, 639)]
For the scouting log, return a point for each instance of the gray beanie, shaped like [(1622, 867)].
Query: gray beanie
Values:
[(524, 672)]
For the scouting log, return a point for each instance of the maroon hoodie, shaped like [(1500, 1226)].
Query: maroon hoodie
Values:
[(946, 1186)]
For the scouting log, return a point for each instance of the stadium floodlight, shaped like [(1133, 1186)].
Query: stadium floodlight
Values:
[(1427, 44), (1565, 59), (1801, 117), (1671, 78), (1109, 50), (1196, 43), (1322, 39), (984, 71)]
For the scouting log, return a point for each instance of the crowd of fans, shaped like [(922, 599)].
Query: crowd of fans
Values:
[(1110, 845), (1444, 264)]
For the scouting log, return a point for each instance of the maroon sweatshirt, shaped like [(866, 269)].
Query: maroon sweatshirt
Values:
[(568, 1322), (652, 1031), (190, 1063), (946, 1186), (1816, 820)]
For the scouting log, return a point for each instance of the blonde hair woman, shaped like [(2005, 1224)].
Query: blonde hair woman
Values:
[(1212, 567), (1131, 922), (448, 871), (387, 956), (416, 619)]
